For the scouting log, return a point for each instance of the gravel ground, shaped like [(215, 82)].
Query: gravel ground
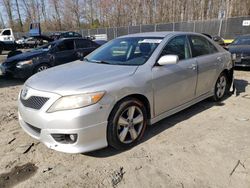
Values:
[(206, 145)]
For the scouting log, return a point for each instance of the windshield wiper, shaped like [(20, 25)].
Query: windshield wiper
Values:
[(102, 62), (95, 61)]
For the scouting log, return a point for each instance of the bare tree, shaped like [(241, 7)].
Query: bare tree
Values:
[(8, 8), (19, 16), (56, 6)]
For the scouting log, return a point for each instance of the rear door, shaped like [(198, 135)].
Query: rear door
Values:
[(207, 57), (65, 52), (174, 84)]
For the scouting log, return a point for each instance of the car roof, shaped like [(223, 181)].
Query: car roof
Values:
[(71, 38), (156, 34), (246, 35)]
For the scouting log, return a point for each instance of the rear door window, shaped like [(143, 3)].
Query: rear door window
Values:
[(66, 45), (201, 46)]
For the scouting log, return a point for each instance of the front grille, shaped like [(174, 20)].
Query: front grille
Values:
[(34, 102)]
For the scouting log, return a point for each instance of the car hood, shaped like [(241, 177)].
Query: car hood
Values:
[(78, 76), (239, 49), (25, 56)]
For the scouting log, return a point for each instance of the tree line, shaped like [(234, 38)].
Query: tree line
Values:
[(59, 15)]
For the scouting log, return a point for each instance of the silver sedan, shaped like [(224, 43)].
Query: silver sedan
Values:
[(111, 96)]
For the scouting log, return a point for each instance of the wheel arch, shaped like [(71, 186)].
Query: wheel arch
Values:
[(139, 97), (229, 73)]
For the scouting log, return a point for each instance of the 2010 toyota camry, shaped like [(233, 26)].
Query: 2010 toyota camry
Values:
[(120, 88)]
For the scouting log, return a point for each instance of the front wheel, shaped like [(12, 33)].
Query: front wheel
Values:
[(41, 68), (221, 87), (127, 124)]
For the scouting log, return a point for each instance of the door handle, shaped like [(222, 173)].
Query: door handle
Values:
[(193, 67)]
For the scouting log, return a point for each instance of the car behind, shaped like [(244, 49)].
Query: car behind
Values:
[(240, 48), (52, 54)]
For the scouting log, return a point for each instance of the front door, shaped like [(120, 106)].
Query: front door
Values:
[(174, 84)]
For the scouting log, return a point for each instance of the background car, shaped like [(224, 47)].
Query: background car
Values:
[(53, 54), (240, 48), (68, 34)]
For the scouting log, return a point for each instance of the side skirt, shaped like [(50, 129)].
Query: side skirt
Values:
[(179, 108)]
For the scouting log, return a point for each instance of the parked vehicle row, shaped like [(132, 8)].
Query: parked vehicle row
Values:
[(111, 96)]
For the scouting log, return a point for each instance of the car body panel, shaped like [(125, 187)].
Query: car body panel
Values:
[(170, 78)]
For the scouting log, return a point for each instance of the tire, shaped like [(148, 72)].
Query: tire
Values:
[(127, 133), (221, 87), (41, 68)]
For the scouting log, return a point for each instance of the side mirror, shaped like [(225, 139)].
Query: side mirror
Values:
[(168, 60)]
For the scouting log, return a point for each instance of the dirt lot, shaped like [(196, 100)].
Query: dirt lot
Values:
[(206, 145)]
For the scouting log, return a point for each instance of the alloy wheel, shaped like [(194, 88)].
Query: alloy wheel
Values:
[(42, 68), (221, 86), (130, 124)]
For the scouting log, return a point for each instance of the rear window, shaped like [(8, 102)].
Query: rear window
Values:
[(66, 45), (83, 43)]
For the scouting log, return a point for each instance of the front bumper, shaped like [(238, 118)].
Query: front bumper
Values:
[(22, 73), (89, 124)]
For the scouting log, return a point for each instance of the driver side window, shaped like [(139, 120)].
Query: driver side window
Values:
[(177, 46)]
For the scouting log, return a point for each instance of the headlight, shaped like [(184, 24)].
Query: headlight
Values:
[(76, 101), (20, 64)]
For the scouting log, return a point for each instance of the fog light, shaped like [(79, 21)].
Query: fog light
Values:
[(65, 138), (73, 137)]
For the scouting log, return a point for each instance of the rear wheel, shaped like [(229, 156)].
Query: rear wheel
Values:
[(127, 124), (221, 87)]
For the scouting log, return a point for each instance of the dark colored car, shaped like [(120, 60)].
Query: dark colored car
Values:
[(52, 54), (240, 49), (68, 34)]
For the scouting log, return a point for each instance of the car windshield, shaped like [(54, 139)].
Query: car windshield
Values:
[(46, 47), (125, 51), (242, 41)]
